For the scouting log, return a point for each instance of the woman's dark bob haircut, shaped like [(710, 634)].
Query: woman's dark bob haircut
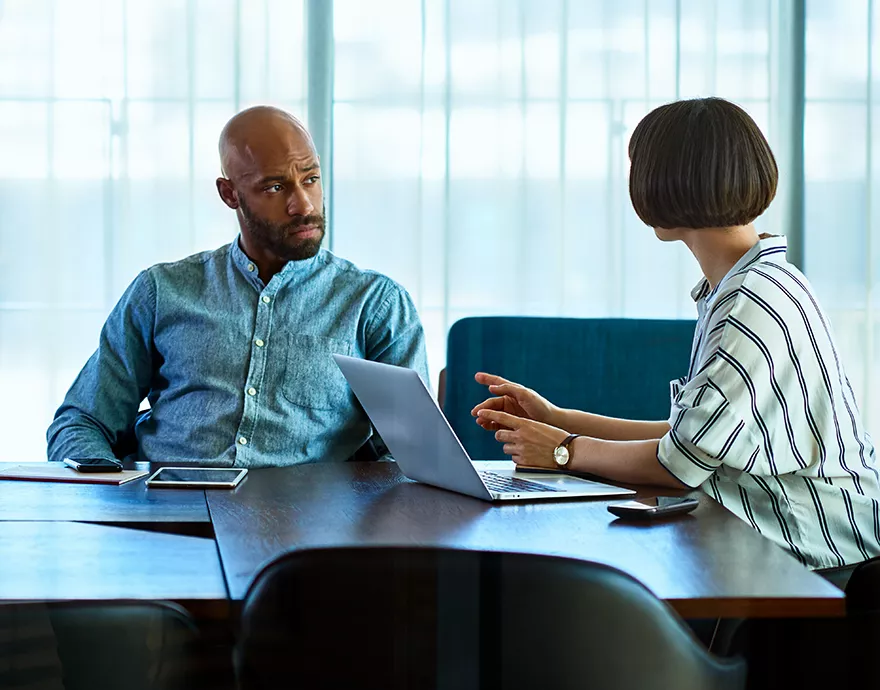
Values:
[(701, 163)]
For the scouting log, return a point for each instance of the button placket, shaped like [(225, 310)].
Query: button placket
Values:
[(259, 354)]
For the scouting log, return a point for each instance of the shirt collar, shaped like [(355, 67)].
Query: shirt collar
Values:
[(768, 249), (250, 271)]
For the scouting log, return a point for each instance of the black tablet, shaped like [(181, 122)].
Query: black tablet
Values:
[(197, 477)]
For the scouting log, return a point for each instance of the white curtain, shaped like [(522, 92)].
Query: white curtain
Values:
[(842, 183), (479, 156), (480, 146), (109, 116)]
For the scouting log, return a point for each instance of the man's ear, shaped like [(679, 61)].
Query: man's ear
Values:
[(227, 193)]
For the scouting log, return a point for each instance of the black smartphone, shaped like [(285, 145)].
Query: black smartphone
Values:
[(93, 464), (647, 508)]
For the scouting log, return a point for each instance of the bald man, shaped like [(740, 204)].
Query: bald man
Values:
[(233, 347)]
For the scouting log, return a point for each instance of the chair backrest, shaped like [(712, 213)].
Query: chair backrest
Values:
[(91, 646), (410, 617), (863, 588), (616, 367)]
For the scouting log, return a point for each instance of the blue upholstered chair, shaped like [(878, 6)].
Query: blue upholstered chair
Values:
[(385, 617), (615, 367)]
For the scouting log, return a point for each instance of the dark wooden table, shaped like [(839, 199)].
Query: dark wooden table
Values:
[(705, 564), (131, 504), (63, 561)]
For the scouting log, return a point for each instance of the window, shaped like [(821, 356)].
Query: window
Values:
[(479, 156)]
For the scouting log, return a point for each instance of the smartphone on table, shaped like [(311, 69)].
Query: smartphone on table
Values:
[(93, 464), (649, 508)]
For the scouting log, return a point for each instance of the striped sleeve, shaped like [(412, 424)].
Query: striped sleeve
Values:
[(707, 424), (704, 430)]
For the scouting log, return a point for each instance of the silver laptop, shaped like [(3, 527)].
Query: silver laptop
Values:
[(426, 448)]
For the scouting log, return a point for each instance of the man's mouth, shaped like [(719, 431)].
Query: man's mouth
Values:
[(306, 231)]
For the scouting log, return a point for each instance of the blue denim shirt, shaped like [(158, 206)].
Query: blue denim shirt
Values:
[(237, 372)]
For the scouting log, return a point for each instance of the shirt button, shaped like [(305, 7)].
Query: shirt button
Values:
[(242, 440), (259, 343), (252, 391), (265, 299), (251, 267)]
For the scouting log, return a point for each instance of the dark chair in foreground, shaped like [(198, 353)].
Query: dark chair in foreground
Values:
[(425, 618), (616, 367), (131, 646), (815, 653), (863, 589), (863, 616)]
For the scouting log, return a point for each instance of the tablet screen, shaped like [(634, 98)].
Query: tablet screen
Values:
[(196, 474)]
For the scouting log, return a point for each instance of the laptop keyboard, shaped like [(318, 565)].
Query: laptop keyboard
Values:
[(513, 485)]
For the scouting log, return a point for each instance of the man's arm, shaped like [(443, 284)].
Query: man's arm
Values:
[(103, 401), (395, 334)]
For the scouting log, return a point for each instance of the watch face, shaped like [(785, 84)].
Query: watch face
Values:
[(561, 456)]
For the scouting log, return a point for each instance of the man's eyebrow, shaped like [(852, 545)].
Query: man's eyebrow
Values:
[(272, 178), (308, 167)]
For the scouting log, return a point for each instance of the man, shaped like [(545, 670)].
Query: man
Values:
[(233, 347)]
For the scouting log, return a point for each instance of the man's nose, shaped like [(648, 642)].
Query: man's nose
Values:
[(299, 203)]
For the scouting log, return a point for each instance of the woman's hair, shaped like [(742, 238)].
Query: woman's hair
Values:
[(701, 163)]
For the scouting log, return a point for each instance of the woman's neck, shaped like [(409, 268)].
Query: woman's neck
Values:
[(718, 249)]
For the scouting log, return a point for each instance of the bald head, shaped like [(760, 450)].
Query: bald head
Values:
[(272, 179), (256, 136)]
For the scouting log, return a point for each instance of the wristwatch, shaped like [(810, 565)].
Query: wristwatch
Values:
[(561, 454)]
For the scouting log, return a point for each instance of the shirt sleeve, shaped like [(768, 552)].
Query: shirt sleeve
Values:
[(707, 426), (395, 334), (704, 430), (103, 401)]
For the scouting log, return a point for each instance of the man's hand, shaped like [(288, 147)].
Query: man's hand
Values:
[(512, 399), (526, 441)]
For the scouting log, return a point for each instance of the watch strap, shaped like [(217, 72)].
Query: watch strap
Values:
[(568, 439)]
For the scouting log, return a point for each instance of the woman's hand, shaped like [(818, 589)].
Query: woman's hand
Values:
[(513, 399), (527, 442)]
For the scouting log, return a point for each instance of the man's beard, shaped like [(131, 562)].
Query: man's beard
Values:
[(280, 239)]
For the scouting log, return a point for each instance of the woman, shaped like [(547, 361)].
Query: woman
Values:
[(765, 421)]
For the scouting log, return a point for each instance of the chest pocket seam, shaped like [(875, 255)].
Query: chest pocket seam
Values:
[(311, 377)]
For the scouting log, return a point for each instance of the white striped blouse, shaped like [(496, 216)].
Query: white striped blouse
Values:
[(766, 421)]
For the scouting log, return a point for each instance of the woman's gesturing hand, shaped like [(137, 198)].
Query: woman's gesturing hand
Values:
[(527, 442), (513, 399)]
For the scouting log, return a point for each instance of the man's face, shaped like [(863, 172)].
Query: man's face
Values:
[(277, 187), (297, 238)]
